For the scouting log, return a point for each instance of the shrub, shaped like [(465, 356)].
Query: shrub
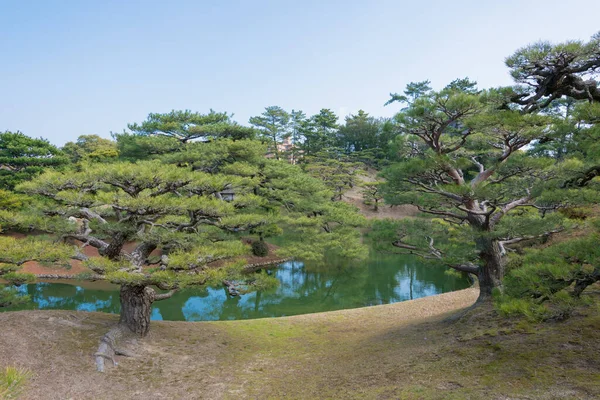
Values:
[(514, 307), (580, 213), (260, 249)]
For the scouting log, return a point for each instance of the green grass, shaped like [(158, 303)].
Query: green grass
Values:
[(12, 382)]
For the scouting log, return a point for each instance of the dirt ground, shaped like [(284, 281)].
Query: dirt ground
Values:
[(407, 350)]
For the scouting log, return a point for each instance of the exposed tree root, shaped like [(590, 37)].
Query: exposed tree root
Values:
[(461, 314), (108, 348)]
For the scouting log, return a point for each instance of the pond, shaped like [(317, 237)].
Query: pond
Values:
[(381, 279)]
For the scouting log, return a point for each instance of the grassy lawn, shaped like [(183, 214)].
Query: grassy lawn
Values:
[(408, 350)]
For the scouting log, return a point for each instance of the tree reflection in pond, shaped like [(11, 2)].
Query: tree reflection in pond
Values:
[(303, 289)]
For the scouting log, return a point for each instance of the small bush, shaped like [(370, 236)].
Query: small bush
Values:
[(559, 307), (512, 307), (260, 249)]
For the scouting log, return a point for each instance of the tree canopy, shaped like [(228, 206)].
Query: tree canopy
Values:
[(187, 125), (468, 170), (22, 157), (91, 147), (273, 126), (546, 72), (178, 199)]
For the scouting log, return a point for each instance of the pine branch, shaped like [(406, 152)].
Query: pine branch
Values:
[(164, 296), (429, 189), (443, 213), (523, 201)]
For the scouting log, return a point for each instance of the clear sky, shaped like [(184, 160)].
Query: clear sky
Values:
[(77, 67)]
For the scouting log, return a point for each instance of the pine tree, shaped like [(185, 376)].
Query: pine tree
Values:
[(372, 194), (545, 72), (471, 175), (22, 158), (174, 213), (273, 125)]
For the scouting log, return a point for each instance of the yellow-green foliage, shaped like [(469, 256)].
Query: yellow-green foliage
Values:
[(168, 279), (539, 284), (201, 255), (509, 306), (242, 221), (13, 381), (128, 278), (241, 169), (18, 251), (10, 201), (103, 265), (18, 278), (10, 296), (24, 220)]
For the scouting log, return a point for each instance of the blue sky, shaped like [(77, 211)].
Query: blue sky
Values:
[(73, 67)]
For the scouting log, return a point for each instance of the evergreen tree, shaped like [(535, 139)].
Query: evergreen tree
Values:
[(319, 132), (546, 282), (372, 194), (471, 175), (298, 122), (368, 139), (545, 72), (92, 148), (187, 125), (338, 173), (179, 222), (133, 147), (22, 158), (167, 133), (359, 133), (273, 125)]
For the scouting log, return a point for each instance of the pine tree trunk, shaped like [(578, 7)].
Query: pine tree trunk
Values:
[(113, 251), (136, 307), (491, 272)]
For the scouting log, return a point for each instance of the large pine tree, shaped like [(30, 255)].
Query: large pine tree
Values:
[(179, 223)]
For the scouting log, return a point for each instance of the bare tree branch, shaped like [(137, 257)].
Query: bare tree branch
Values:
[(440, 212), (164, 296)]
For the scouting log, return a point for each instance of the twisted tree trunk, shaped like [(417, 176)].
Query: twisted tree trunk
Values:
[(491, 272), (136, 307)]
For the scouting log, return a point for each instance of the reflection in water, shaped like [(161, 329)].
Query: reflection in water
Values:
[(303, 289)]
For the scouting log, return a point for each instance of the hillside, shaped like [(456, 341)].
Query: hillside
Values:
[(407, 350), (354, 196)]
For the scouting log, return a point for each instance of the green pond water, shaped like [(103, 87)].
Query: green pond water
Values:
[(303, 289)]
